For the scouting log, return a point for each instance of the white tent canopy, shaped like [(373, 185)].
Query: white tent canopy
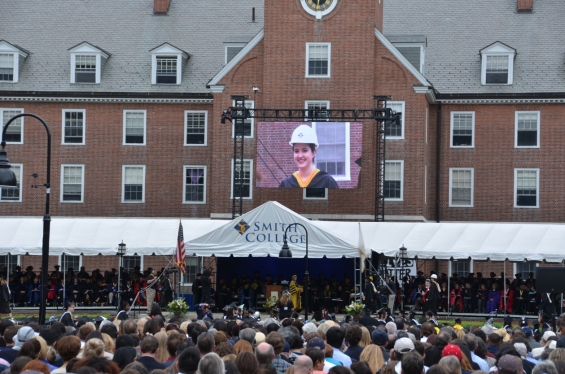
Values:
[(264, 236), (480, 241), (260, 233)]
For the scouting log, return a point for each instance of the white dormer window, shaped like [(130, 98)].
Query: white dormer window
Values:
[(11, 59), (87, 61), (497, 64), (166, 64)]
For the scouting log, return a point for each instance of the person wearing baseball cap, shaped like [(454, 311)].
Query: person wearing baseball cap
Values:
[(380, 338), (402, 346), (23, 335), (509, 364), (304, 142)]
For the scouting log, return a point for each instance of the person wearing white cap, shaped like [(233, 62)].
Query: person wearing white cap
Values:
[(433, 294), (304, 142)]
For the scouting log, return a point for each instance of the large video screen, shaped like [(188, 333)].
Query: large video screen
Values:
[(308, 155)]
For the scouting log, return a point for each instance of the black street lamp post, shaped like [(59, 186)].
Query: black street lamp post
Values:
[(402, 252), (121, 253), (286, 253), (8, 180)]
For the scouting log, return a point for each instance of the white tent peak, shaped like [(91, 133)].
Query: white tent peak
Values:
[(260, 232)]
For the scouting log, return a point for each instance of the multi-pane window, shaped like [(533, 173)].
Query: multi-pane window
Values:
[(6, 67), (13, 194), (134, 126), (85, 69), (462, 129), (133, 188), (9, 262), (129, 263), (167, 69), (525, 268), (317, 110), (195, 124), (72, 183), (497, 69), (332, 155), (393, 181), (461, 187), (526, 182), (395, 129), (527, 129), (73, 126), (243, 177), (318, 59), (248, 129), (193, 267), (195, 184), (461, 267), (14, 133), (69, 262)]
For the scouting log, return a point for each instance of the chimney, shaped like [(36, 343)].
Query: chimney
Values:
[(161, 6), (525, 6)]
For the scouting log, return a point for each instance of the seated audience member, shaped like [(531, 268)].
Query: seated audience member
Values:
[(211, 363), (68, 348)]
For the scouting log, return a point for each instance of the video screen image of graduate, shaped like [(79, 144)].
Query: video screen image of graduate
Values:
[(314, 155)]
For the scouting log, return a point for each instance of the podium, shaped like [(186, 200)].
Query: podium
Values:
[(271, 290)]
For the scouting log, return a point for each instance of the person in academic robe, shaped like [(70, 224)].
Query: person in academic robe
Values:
[(295, 290), (546, 306), (206, 287), (444, 297), (304, 142), (456, 299), (482, 295), (493, 298), (67, 317), (34, 290), (508, 296), (520, 296), (432, 294), (533, 300), (5, 297), (468, 295)]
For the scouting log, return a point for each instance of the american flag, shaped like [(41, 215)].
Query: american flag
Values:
[(180, 255)]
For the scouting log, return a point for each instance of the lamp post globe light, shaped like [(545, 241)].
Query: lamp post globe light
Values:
[(121, 253), (286, 253), (8, 180)]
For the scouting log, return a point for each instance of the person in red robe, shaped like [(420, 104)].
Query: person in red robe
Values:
[(507, 295), (456, 299)]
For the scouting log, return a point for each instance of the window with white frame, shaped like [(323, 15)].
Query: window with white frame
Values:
[(9, 262), (194, 184), (167, 64), (69, 262), (318, 60), (395, 130), (461, 186), (527, 125), (14, 133), (248, 124), (6, 67), (86, 63), (11, 57), (497, 65), (195, 127), (332, 154), (463, 129), (135, 122), (13, 194), (242, 185), (461, 267), (232, 49), (129, 263), (526, 188), (315, 193), (317, 110), (193, 267), (525, 268), (72, 183), (394, 180), (74, 126), (133, 185)]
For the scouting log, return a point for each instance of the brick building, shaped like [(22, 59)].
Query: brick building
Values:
[(134, 93)]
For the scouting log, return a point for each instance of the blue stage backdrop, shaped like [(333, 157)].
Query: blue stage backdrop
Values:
[(228, 267)]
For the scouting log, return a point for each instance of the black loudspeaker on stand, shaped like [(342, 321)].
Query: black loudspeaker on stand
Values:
[(550, 279)]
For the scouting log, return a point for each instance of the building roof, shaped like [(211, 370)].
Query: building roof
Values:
[(457, 30), (128, 30)]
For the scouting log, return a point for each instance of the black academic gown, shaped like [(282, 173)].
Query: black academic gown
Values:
[(320, 180)]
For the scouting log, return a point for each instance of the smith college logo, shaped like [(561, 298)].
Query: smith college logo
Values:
[(241, 227)]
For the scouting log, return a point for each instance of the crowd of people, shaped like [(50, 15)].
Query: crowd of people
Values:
[(96, 288), (242, 343)]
